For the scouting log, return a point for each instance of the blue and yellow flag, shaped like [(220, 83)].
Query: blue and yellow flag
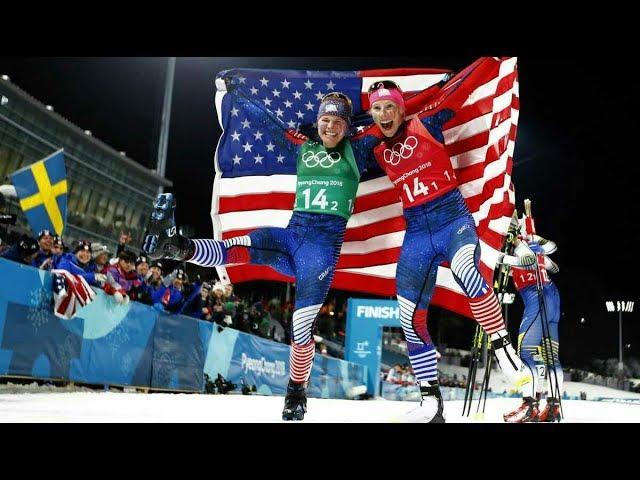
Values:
[(42, 190)]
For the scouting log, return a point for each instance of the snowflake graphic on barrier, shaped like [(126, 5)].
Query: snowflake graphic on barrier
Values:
[(117, 338), (126, 362), (40, 308), (163, 368), (67, 351)]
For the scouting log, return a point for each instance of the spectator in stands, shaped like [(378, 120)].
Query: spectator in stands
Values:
[(122, 242), (79, 263), (57, 248), (243, 319), (172, 296), (264, 320), (276, 330), (255, 318), (25, 251), (101, 255), (142, 266), (228, 292), (231, 302), (217, 305), (395, 374), (155, 286), (140, 290), (196, 304), (408, 378), (43, 259), (122, 277), (155, 273)]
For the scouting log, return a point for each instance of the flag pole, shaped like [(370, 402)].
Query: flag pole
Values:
[(166, 116)]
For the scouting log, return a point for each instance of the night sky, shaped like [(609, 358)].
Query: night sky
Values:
[(574, 157)]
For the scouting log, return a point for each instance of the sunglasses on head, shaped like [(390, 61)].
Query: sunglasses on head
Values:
[(339, 95), (388, 84)]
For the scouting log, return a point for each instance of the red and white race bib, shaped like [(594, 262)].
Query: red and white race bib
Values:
[(417, 164), (525, 278)]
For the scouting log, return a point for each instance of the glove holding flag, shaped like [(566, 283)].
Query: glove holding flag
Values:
[(70, 293)]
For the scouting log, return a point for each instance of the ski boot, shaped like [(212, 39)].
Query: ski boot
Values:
[(551, 412), (163, 239), (510, 363), (527, 412), (295, 403), (431, 408)]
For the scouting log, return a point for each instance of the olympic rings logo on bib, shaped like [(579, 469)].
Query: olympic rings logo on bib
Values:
[(400, 151), (324, 159)]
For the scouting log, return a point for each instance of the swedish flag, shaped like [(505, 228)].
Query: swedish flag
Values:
[(42, 190)]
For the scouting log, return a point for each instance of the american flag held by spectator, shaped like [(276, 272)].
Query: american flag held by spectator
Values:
[(255, 179), (70, 293)]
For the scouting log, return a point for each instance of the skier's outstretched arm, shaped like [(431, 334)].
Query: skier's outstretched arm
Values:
[(523, 256)]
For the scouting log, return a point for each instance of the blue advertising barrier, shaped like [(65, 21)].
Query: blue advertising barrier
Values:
[(136, 345), (363, 345), (106, 343), (239, 357)]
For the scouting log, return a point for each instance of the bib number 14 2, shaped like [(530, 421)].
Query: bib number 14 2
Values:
[(320, 200)]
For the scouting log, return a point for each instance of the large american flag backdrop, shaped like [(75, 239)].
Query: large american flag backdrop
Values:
[(255, 180)]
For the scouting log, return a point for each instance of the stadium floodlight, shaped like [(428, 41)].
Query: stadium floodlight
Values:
[(123, 153), (49, 107), (6, 77), (3, 100), (87, 132), (619, 306)]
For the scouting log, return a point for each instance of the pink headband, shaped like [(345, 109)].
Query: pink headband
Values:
[(392, 94)]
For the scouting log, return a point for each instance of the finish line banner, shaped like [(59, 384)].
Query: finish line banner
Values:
[(365, 320)]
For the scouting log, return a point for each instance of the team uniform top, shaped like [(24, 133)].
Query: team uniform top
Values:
[(417, 164), (523, 278), (327, 179)]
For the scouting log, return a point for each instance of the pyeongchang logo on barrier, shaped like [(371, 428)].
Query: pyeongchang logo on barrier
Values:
[(368, 311), (362, 349), (262, 367)]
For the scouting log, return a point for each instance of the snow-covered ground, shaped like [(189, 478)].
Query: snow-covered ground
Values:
[(499, 383), (47, 404)]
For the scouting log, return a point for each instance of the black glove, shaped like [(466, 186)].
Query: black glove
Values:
[(163, 239)]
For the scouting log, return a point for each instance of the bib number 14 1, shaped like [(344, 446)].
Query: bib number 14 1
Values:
[(419, 188)]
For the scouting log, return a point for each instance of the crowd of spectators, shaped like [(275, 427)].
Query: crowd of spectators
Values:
[(130, 277), (454, 381), (401, 375)]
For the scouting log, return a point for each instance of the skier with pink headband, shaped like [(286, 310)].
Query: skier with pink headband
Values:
[(439, 228)]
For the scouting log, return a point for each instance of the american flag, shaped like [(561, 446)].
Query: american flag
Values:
[(70, 293), (255, 168)]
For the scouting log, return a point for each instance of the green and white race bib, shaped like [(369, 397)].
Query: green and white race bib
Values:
[(327, 179)]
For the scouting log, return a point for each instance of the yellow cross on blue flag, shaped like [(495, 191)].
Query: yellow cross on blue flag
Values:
[(42, 190)]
